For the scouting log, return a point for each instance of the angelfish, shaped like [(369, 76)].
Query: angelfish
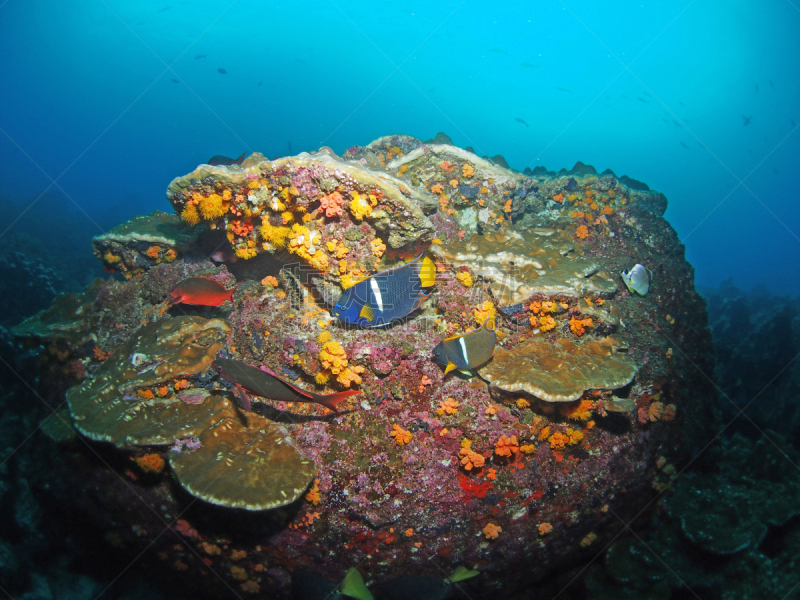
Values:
[(469, 351), (201, 291), (387, 296), (263, 382), (637, 279)]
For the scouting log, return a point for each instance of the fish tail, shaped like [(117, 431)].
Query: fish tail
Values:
[(240, 160), (331, 400), (231, 291)]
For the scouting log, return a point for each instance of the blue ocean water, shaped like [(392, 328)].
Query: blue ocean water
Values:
[(103, 102)]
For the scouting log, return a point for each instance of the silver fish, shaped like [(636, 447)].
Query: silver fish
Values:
[(637, 279)]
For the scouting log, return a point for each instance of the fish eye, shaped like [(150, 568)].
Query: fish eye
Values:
[(218, 369)]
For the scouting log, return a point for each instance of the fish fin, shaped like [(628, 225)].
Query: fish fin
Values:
[(427, 272), (232, 290), (450, 366), (461, 573), (367, 313), (354, 586), (242, 395), (331, 400), (240, 160)]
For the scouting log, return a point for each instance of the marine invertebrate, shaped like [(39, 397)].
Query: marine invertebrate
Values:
[(333, 357), (559, 372), (579, 326), (361, 206), (465, 278), (332, 204), (467, 170), (270, 281), (578, 411), (211, 207), (469, 458), (582, 232), (546, 323), (276, 236), (545, 528), (269, 472), (378, 247), (400, 435), (448, 406), (506, 446), (491, 531), (151, 463), (559, 198), (190, 215), (437, 188), (520, 264)]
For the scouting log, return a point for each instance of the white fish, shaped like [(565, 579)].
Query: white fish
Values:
[(637, 279)]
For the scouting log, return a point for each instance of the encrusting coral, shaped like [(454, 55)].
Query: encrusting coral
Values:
[(559, 372)]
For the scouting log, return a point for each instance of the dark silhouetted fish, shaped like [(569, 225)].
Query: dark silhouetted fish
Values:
[(642, 100), (201, 57), (518, 120), (223, 71), (756, 87), (684, 145), (528, 65), (175, 80), (624, 96), (772, 85), (663, 119), (497, 51), (676, 123), (792, 122), (681, 103), (165, 8), (289, 147), (560, 89), (259, 83), (218, 159), (747, 120)]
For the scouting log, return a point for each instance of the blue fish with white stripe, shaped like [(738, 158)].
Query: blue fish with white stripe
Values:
[(388, 296), (469, 351)]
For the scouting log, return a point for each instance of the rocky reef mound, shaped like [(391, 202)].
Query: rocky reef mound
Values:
[(533, 464)]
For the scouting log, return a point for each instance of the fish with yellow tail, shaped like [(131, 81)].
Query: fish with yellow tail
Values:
[(388, 296), (469, 351)]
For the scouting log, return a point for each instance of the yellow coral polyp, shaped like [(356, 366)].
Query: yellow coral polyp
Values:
[(333, 357), (359, 206), (378, 247), (246, 253), (467, 170), (190, 214), (319, 260), (322, 377), (483, 312), (212, 207), (465, 278), (277, 236), (350, 375), (287, 217)]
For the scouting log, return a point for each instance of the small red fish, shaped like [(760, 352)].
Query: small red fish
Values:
[(201, 291)]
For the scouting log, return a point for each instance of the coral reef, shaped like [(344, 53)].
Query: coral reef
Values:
[(422, 466), (560, 372), (728, 530), (521, 264), (136, 245)]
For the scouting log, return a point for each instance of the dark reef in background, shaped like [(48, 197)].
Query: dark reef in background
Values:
[(757, 342)]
